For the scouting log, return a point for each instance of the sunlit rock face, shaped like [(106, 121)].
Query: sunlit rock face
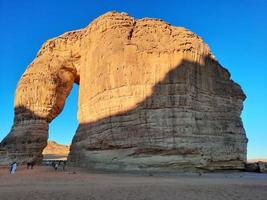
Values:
[(152, 97)]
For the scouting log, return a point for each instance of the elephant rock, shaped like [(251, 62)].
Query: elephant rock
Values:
[(151, 97)]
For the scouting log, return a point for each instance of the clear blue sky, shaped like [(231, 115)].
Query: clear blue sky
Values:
[(236, 32)]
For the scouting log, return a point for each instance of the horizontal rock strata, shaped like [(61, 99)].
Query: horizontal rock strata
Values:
[(152, 97)]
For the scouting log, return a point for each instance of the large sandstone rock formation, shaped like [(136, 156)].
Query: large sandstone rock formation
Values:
[(152, 97), (55, 151)]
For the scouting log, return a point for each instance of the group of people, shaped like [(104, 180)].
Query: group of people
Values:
[(55, 164), (58, 165), (30, 165), (13, 167)]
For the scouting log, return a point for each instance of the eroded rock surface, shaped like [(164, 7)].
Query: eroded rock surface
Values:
[(260, 167), (152, 97), (55, 151)]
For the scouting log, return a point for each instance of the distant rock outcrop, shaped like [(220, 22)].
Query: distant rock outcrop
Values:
[(259, 166), (152, 97), (54, 150)]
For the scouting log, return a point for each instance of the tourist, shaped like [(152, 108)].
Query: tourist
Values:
[(28, 165), (64, 165), (10, 168), (32, 164), (56, 166), (13, 168)]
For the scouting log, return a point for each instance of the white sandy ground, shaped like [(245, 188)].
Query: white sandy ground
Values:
[(44, 183)]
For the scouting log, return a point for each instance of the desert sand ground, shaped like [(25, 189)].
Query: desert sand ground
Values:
[(45, 183)]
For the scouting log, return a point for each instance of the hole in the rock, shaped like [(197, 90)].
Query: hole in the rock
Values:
[(62, 128)]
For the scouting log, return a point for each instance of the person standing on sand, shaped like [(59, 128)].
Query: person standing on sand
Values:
[(32, 163), (56, 166), (13, 168), (64, 165), (28, 165), (10, 168)]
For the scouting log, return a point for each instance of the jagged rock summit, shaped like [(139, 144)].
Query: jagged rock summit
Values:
[(151, 97)]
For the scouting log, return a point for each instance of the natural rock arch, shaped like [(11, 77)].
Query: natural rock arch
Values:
[(40, 96), (151, 96)]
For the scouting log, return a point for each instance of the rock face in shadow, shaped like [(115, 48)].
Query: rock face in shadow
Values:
[(152, 97), (260, 167)]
